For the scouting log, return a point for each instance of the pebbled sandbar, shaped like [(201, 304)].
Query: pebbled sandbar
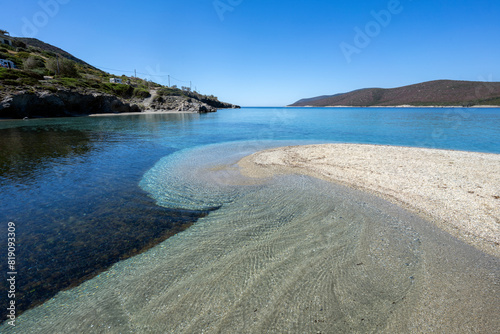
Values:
[(458, 191)]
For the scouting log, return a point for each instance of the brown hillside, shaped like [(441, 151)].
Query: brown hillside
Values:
[(438, 93)]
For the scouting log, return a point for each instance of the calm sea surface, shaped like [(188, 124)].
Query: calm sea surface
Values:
[(86, 193)]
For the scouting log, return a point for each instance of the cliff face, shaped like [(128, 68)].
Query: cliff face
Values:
[(61, 104)]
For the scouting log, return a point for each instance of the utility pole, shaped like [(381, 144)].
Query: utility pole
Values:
[(190, 85), (135, 73), (57, 57), (169, 80)]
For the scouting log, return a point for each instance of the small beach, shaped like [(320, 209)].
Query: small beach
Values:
[(458, 191)]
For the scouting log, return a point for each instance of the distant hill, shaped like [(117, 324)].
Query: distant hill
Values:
[(432, 93)]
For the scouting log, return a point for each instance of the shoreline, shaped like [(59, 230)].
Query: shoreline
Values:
[(149, 112), (146, 112), (456, 190), (402, 106)]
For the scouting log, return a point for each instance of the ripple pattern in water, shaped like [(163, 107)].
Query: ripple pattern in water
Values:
[(292, 255)]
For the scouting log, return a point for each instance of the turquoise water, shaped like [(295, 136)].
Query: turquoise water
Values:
[(87, 192)]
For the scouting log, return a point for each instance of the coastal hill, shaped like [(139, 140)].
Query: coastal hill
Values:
[(432, 93), (41, 80)]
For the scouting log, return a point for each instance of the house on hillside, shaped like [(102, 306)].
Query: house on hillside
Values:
[(7, 63), (115, 80), (5, 37)]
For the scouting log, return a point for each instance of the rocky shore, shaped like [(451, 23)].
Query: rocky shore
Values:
[(66, 103)]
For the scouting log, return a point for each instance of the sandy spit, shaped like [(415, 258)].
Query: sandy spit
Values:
[(458, 191)]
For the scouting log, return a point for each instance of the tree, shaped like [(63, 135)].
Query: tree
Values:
[(62, 67)]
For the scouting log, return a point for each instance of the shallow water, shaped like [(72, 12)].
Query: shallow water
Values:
[(72, 185), (288, 254)]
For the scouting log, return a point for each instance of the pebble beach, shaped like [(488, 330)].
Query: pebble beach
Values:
[(456, 190)]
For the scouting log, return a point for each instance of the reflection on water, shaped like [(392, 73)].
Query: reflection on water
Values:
[(73, 195), (25, 149)]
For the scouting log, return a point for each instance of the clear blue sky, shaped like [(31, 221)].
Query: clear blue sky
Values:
[(272, 53)]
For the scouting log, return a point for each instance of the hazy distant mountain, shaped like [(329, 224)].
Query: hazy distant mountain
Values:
[(432, 93)]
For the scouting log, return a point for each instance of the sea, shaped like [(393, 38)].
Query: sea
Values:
[(143, 224)]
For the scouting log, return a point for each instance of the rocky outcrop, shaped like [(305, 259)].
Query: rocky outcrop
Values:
[(61, 103), (183, 104), (66, 103)]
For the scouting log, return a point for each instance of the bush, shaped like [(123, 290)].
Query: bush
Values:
[(23, 55), (33, 62), (170, 92), (6, 73), (10, 82), (19, 44), (41, 72), (63, 67), (119, 90), (141, 93), (51, 89), (7, 46), (28, 81), (71, 83)]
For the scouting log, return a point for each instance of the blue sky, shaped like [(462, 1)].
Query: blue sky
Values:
[(272, 53)]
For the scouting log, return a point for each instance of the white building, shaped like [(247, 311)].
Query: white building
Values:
[(7, 63), (115, 80), (4, 38)]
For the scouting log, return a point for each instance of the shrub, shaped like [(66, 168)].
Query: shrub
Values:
[(33, 62), (62, 67), (48, 54), (10, 82), (72, 83), (40, 72), (28, 81), (23, 55), (119, 90), (141, 93), (19, 44), (7, 46), (50, 89), (170, 92), (8, 74)]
